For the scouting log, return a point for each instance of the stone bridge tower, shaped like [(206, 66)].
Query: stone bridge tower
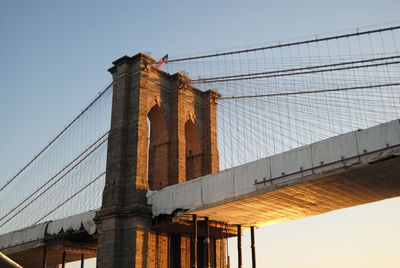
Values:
[(163, 132)]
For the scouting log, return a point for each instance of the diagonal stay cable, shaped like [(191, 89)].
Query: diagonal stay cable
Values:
[(68, 199), (56, 138), (55, 182), (307, 92)]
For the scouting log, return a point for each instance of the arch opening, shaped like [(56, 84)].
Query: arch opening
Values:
[(194, 153), (158, 149)]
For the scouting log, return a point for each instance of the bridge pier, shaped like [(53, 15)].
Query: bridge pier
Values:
[(181, 122)]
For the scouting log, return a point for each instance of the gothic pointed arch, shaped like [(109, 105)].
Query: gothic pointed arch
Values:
[(158, 149), (194, 152)]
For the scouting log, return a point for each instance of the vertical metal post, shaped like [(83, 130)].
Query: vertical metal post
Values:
[(63, 259), (82, 260), (206, 243), (44, 259), (194, 242), (239, 246), (227, 247), (253, 247)]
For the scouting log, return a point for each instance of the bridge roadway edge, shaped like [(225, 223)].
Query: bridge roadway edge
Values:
[(379, 164), (371, 153)]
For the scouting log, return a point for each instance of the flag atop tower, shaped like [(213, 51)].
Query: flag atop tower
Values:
[(162, 61)]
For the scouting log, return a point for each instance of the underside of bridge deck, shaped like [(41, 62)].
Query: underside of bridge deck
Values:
[(344, 188), (53, 250), (184, 225)]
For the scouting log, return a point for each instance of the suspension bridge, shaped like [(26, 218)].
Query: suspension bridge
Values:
[(167, 163)]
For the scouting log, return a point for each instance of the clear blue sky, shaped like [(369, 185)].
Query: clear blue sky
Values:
[(53, 61)]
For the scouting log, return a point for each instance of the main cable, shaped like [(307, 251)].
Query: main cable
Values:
[(307, 92), (288, 44)]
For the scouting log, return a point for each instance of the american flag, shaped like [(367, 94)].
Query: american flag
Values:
[(162, 61)]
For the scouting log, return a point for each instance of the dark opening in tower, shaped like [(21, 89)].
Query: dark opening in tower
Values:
[(158, 147), (194, 154)]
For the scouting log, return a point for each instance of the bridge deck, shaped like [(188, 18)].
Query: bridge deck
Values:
[(347, 170), (343, 171), (73, 235)]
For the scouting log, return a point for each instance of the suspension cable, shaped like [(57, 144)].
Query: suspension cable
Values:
[(56, 138), (287, 44), (308, 92)]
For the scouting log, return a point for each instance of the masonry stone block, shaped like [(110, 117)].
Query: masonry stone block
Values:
[(163, 132)]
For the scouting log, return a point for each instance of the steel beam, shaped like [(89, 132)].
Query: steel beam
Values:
[(194, 242), (239, 246), (253, 247), (82, 260), (63, 259), (44, 258), (206, 243)]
